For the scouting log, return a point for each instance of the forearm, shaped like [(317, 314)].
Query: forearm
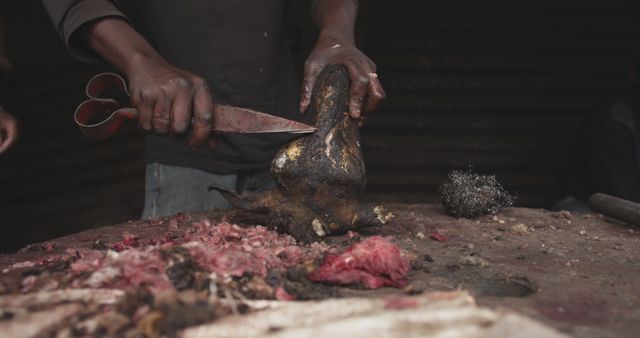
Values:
[(336, 19), (71, 17), (119, 44)]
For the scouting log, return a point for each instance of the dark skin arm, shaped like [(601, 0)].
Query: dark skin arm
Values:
[(166, 97), (336, 45)]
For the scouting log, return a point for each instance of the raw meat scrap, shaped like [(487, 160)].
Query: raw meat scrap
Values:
[(224, 250), (439, 235), (374, 263)]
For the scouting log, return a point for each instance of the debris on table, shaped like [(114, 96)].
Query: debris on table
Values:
[(555, 274), (474, 261), (439, 235), (519, 229), (468, 194)]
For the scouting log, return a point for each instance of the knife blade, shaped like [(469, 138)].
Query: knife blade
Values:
[(230, 119)]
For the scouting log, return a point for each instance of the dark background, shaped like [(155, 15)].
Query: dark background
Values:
[(502, 85)]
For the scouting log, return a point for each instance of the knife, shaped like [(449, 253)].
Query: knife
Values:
[(108, 108)]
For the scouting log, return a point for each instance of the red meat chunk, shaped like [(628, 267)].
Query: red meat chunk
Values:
[(373, 263), (436, 236)]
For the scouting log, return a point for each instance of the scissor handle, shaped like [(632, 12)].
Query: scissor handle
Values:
[(100, 119), (101, 116), (106, 83)]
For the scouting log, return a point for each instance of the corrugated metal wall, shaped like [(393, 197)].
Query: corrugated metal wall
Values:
[(501, 85)]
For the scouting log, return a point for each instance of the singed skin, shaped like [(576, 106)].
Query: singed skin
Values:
[(320, 177)]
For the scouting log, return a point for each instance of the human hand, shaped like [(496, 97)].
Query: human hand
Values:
[(169, 99), (366, 91), (8, 130)]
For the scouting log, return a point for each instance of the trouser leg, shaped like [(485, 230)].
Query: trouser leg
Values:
[(171, 189)]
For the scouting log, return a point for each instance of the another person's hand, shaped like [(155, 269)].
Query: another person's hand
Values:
[(8, 130), (168, 99), (366, 91)]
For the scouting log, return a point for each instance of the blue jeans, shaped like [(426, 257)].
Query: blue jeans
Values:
[(170, 189)]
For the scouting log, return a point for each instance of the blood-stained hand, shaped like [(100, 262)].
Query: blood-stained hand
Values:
[(170, 99), (8, 130), (366, 91)]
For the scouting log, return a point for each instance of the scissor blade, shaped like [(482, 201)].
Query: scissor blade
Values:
[(229, 119)]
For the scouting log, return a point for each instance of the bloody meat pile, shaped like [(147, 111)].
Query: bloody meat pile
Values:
[(183, 272), (196, 254), (189, 272), (186, 259)]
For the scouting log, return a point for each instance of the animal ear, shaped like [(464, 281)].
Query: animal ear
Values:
[(261, 202), (233, 197), (223, 190)]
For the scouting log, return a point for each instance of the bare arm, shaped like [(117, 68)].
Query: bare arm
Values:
[(337, 19), (166, 97), (336, 45)]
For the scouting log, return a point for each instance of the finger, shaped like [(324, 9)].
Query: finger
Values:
[(8, 137), (376, 93), (180, 113), (311, 73), (161, 119), (144, 104), (358, 91), (203, 116)]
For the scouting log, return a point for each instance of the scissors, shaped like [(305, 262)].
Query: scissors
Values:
[(109, 106)]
